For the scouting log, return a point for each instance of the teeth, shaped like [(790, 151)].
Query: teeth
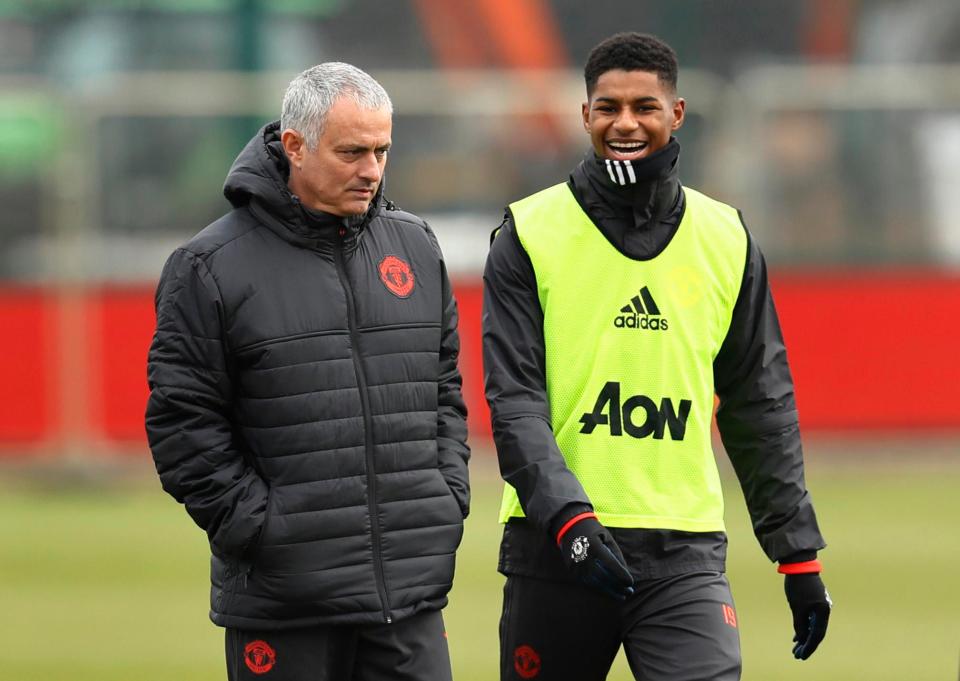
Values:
[(627, 146)]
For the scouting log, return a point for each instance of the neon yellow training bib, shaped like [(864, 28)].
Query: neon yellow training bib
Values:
[(630, 346)]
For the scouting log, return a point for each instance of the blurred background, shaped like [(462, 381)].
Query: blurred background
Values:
[(834, 125)]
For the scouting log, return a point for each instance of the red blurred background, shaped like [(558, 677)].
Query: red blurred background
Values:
[(870, 351)]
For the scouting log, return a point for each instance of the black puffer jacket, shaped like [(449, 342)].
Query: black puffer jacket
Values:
[(305, 406)]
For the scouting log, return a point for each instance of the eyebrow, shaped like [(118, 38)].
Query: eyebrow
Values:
[(615, 100), (361, 147)]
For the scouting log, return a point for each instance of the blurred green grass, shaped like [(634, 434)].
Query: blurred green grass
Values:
[(110, 581)]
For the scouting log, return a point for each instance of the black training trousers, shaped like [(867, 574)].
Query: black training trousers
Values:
[(413, 649), (681, 628)]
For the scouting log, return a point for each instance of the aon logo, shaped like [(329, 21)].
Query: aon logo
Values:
[(639, 416)]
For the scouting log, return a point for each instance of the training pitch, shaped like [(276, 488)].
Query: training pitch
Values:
[(108, 581)]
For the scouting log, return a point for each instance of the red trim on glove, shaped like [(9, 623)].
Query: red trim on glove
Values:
[(800, 568), (573, 521)]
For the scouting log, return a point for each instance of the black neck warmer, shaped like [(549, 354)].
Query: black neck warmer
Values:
[(637, 206), (645, 189)]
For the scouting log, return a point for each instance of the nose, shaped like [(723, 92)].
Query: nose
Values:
[(370, 170), (626, 122)]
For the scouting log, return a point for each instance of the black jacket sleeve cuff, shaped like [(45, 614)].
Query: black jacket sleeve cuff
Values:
[(799, 557)]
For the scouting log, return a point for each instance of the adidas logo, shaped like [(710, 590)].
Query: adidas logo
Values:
[(641, 313)]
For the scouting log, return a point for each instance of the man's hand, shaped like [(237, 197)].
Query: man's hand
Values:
[(810, 603), (594, 557)]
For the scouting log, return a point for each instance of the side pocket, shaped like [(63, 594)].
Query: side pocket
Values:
[(231, 579), (453, 495), (247, 561), (464, 512), (225, 585), (264, 528)]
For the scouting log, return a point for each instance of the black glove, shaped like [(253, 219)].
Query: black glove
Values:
[(591, 554), (810, 603)]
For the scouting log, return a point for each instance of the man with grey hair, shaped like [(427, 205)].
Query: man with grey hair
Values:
[(305, 400)]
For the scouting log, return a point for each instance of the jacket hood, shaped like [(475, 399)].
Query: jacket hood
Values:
[(260, 170), (259, 176)]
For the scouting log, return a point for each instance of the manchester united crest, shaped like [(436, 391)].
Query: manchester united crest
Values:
[(579, 549), (397, 276), (259, 656), (526, 662)]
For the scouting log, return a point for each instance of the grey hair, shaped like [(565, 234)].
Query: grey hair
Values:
[(310, 96)]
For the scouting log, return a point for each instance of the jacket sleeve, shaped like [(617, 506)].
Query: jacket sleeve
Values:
[(516, 387), (453, 453), (187, 420), (758, 424)]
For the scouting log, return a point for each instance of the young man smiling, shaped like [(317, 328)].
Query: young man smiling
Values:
[(616, 306)]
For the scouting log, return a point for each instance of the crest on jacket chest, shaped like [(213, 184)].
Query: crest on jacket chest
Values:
[(396, 275)]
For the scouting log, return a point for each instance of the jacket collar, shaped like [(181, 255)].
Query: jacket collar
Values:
[(258, 179), (645, 190)]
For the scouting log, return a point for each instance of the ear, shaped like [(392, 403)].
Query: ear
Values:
[(679, 111), (585, 112), (294, 146)]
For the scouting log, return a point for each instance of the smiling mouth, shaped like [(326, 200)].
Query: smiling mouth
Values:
[(626, 150)]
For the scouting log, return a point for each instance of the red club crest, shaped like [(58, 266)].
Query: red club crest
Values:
[(526, 661), (259, 656), (397, 276)]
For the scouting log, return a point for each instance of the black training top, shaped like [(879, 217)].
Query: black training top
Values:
[(757, 415)]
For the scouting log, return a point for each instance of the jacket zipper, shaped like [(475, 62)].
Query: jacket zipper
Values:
[(367, 428)]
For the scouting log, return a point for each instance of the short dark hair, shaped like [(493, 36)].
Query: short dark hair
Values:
[(631, 52)]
